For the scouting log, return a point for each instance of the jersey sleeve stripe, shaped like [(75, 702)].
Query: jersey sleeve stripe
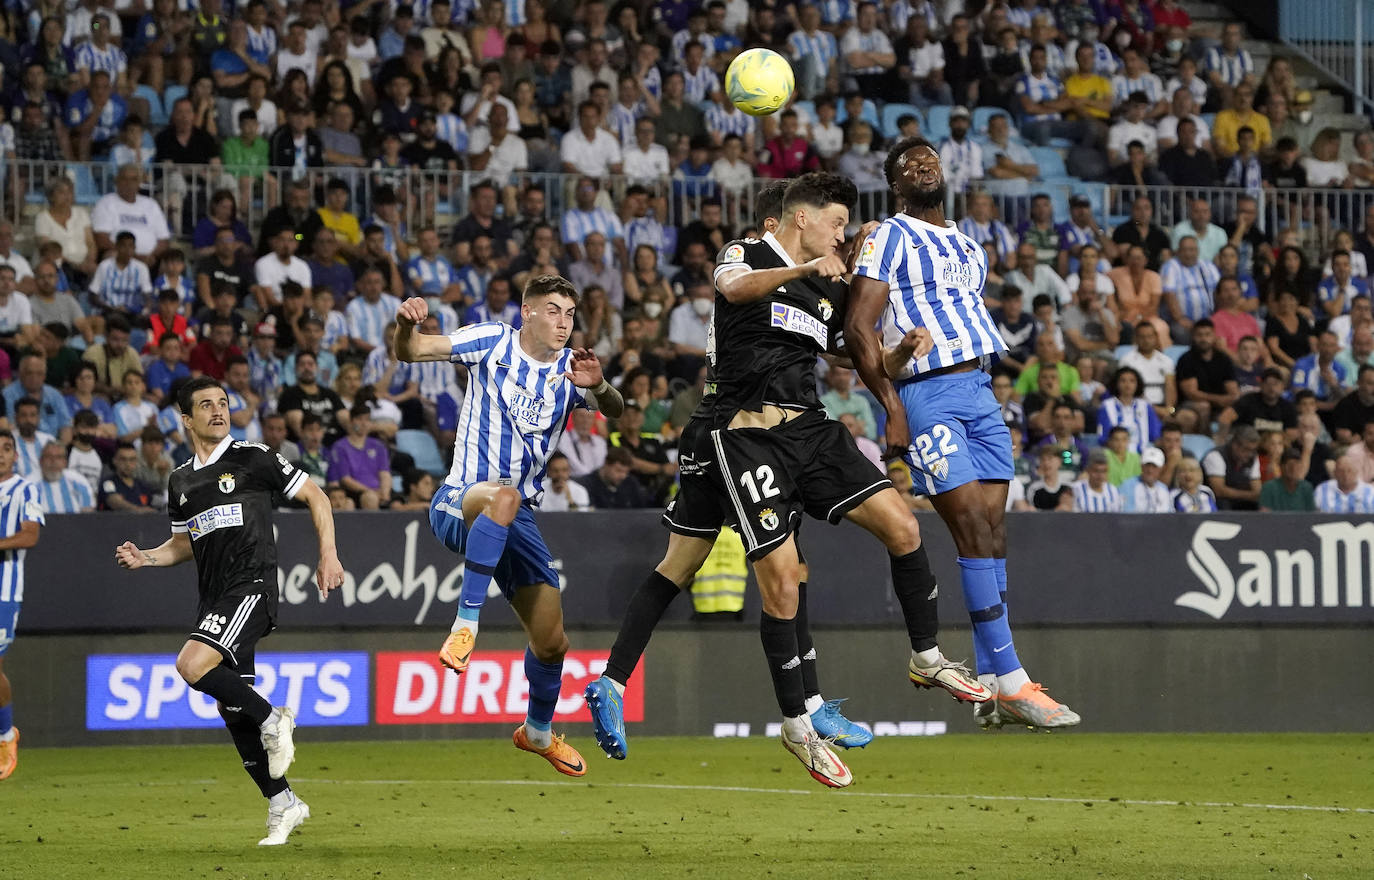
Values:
[(179, 528), (294, 487), (725, 268)]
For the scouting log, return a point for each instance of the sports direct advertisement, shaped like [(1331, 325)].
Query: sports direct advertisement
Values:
[(144, 691)]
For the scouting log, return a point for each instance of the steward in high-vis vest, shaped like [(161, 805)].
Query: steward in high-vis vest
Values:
[(719, 584)]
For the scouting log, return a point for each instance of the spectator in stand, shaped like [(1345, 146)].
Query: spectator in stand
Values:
[(1188, 283), (1231, 321), (1229, 66), (370, 311), (645, 162), (840, 400), (688, 328), (1042, 102), (788, 154), (1243, 169), (68, 224), (1288, 492), (1125, 409), (1016, 327), (92, 117), (1336, 292), (1093, 493), (1090, 91), (1183, 106), (1142, 231), (982, 225), (1240, 114), (121, 283), (60, 489), (225, 265), (1186, 163), (122, 490), (577, 224), (167, 368), (278, 267), (1264, 410), (1132, 127), (51, 306), (1287, 332), (133, 413), (590, 150), (1233, 472), (1147, 493), (1322, 374), (1134, 78), (1228, 262), (1345, 492), (1048, 491), (125, 210), (1210, 237), (562, 493), (594, 269), (1356, 409), (376, 256), (429, 273), (211, 356), (960, 155), (1206, 378), (336, 217), (1361, 350), (327, 267), (1063, 438), (584, 448), (361, 464), (497, 306), (1361, 451), (1038, 406), (609, 486), (859, 163), (1034, 278), (1089, 326), (1286, 171), (1008, 166), (1192, 496), (298, 213), (482, 220), (308, 396)]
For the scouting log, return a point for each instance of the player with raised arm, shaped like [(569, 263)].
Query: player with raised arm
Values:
[(220, 503), (917, 271), (522, 386), (762, 452), (21, 516)]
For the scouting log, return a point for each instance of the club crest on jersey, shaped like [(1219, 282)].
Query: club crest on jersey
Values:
[(940, 468), (768, 519), (733, 254), (826, 309), (226, 483)]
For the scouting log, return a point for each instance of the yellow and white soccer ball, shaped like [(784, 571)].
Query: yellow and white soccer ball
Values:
[(759, 81)]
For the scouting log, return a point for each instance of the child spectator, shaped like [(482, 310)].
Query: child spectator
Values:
[(133, 412)]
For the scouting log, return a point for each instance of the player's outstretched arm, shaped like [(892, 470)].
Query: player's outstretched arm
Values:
[(747, 285), (412, 346), (174, 551), (329, 575), (585, 372), (867, 299)]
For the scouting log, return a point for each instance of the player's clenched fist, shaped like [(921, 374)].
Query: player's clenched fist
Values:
[(829, 266), (128, 556), (917, 342), (412, 312)]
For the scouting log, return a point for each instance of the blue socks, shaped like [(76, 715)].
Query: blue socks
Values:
[(546, 680), (6, 718), (485, 545), (993, 648)]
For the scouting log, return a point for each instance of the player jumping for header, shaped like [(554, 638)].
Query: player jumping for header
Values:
[(522, 386), (917, 270), (221, 504)]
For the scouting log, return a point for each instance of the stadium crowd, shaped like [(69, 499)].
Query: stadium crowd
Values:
[(1133, 350)]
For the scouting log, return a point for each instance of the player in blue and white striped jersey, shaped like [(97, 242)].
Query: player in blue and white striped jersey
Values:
[(21, 516), (1346, 493), (1189, 284), (522, 386), (917, 271), (1093, 494), (121, 282), (60, 489)]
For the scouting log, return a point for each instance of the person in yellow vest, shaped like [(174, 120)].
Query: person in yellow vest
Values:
[(718, 589)]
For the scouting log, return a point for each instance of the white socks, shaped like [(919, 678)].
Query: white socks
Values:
[(797, 729), (619, 688), (927, 658), (271, 719), (8, 736), (282, 799), (463, 623), (1013, 681), (813, 704), (540, 739), (989, 681)]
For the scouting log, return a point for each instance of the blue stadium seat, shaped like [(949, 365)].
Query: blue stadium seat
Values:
[(805, 109), (1174, 352), (1198, 444), (1061, 143), (983, 115), (870, 114), (87, 192), (1095, 193), (420, 446), (937, 123), (170, 96), (157, 114), (1050, 162), (893, 112), (1123, 350), (1210, 119)]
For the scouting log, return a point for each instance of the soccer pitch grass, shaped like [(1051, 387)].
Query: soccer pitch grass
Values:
[(991, 805)]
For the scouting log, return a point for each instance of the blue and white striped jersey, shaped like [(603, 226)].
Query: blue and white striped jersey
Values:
[(1192, 285), (1329, 288), (1123, 86), (653, 83), (1086, 499), (622, 121), (1233, 68), (375, 367), (962, 162), (450, 129), (69, 493), (125, 288), (262, 45), (729, 120), (474, 283), (430, 277), (1057, 63), (27, 452), (515, 13), (577, 225), (367, 321), (701, 84), (935, 280), (1307, 373), (1071, 236), (1139, 418), (994, 231), (335, 329), (902, 11), (679, 47), (1202, 501), (434, 379), (647, 230), (131, 418), (111, 59), (1038, 89), (1136, 497), (821, 46), (249, 433), (515, 410), (19, 503), (1330, 498), (836, 11)]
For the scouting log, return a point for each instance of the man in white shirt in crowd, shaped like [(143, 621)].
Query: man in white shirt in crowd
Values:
[(1147, 493), (1182, 107), (1156, 370), (1008, 166), (593, 68), (1034, 278), (689, 322), (126, 209), (589, 149), (560, 492), (280, 265), (1132, 127), (645, 161), (867, 51), (23, 272), (494, 150), (584, 449), (297, 54), (960, 155)]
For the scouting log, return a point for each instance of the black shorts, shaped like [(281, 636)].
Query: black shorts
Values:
[(233, 626), (761, 481)]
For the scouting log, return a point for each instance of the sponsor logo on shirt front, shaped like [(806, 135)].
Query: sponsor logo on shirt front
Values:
[(794, 320), (221, 516)]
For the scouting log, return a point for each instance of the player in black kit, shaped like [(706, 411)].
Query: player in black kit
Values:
[(760, 452), (221, 505)]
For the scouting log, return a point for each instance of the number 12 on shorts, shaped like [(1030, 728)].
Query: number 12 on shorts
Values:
[(764, 488)]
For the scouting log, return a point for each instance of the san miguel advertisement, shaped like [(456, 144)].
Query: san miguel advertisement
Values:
[(1062, 569)]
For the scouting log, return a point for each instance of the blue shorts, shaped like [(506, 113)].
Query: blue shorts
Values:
[(957, 432), (527, 559), (9, 621)]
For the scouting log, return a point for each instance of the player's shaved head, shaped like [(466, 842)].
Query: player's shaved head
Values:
[(818, 189), (908, 165)]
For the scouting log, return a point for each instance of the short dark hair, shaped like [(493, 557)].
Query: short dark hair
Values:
[(186, 394), (85, 419), (309, 419), (619, 455), (124, 235), (548, 285), (116, 322), (898, 149), (768, 203), (819, 189), (1041, 299), (1204, 322), (25, 401), (234, 361), (166, 337)]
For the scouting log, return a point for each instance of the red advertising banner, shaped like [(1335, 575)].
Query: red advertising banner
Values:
[(414, 688)]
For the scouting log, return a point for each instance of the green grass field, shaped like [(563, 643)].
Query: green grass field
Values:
[(992, 805)]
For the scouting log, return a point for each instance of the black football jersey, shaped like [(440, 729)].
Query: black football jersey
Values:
[(764, 352), (226, 506)]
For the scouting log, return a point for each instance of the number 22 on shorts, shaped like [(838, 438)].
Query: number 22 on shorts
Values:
[(934, 446)]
